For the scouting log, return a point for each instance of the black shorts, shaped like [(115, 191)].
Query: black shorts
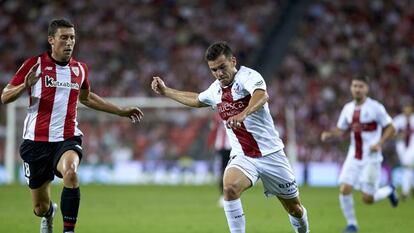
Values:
[(225, 157), (41, 158)]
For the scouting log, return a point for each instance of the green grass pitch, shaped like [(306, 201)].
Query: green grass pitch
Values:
[(193, 209)]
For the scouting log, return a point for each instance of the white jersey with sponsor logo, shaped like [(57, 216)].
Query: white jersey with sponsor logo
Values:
[(51, 115), (365, 123), (257, 135)]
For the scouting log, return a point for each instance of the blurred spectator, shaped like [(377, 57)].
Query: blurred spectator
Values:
[(125, 43), (125, 47)]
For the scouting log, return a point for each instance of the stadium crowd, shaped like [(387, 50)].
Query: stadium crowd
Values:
[(125, 47), (336, 40)]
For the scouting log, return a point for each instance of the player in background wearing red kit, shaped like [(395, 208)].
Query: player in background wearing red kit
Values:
[(220, 141)]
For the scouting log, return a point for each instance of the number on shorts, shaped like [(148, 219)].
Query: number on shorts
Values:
[(26, 169)]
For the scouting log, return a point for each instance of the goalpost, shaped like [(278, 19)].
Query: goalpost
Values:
[(10, 151), (291, 146)]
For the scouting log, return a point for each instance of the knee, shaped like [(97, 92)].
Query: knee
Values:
[(295, 210), (70, 177), (231, 191), (367, 199), (345, 189), (40, 209)]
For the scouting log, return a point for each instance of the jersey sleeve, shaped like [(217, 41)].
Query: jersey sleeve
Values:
[(85, 82), (18, 78), (342, 124), (254, 81), (383, 117), (207, 96)]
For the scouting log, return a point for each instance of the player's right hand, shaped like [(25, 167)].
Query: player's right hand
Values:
[(31, 77), (158, 85)]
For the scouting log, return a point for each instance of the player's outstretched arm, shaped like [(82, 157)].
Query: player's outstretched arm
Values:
[(187, 98), (94, 101), (10, 93), (334, 133)]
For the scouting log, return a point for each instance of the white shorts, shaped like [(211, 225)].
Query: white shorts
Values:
[(364, 176), (274, 171)]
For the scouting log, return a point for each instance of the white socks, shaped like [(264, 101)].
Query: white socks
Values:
[(382, 193), (235, 216), (300, 225), (237, 221), (347, 203), (347, 206), (407, 177)]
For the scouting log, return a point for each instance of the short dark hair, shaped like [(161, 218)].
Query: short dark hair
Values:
[(217, 49), (58, 23), (362, 77)]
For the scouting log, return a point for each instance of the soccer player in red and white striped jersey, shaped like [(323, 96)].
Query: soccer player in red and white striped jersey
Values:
[(370, 126), (219, 139), (55, 81), (240, 97)]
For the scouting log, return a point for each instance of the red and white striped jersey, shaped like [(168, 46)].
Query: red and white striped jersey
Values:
[(257, 135), (365, 123), (218, 135), (51, 115)]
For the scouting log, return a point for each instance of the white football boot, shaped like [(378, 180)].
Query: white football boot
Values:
[(46, 224)]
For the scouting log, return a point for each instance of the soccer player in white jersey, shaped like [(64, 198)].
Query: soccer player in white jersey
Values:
[(52, 142), (404, 124), (370, 126), (240, 97)]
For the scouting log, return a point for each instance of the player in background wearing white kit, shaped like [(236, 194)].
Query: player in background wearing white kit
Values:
[(257, 151), (370, 127), (220, 141), (404, 124)]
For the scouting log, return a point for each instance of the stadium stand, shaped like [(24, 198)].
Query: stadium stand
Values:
[(336, 40), (126, 47)]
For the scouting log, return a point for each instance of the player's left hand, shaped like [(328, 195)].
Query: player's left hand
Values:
[(134, 113), (376, 147), (236, 121)]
